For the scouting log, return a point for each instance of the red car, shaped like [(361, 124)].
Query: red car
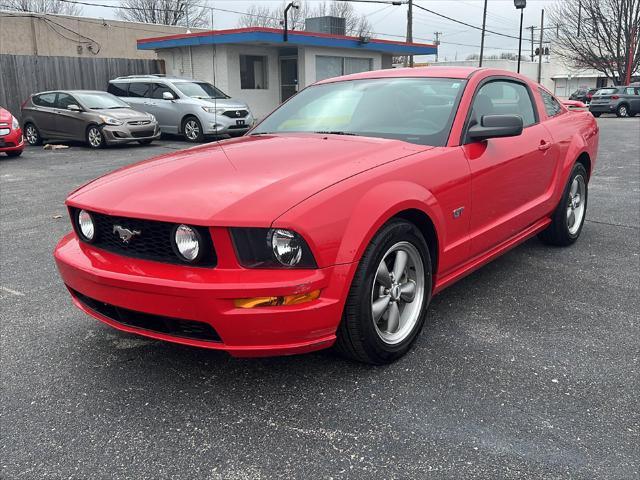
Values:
[(336, 219), (11, 139)]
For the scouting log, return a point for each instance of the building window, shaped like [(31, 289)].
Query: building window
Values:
[(253, 72), (327, 67)]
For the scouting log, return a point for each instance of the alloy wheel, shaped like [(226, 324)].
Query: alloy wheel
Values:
[(95, 137), (623, 111), (31, 134), (576, 204), (398, 293), (191, 129)]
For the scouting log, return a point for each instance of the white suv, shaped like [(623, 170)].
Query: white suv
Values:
[(182, 106)]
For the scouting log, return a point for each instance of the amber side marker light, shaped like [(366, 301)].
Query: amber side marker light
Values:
[(276, 301)]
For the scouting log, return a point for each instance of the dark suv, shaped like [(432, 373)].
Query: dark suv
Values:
[(583, 95), (624, 101)]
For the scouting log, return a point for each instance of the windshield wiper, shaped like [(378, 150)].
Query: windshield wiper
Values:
[(335, 132)]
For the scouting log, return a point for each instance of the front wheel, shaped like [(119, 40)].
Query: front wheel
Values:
[(622, 111), (192, 129), (568, 218), (32, 134), (95, 139), (596, 114), (387, 302)]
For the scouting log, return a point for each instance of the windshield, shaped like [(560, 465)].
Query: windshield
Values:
[(199, 90), (416, 110), (99, 101)]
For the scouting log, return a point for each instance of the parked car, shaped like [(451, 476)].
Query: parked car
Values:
[(186, 107), (583, 95), (11, 139), (624, 101), (336, 219), (97, 118)]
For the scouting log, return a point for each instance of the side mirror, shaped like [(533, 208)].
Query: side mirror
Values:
[(74, 108), (167, 96), (496, 126)]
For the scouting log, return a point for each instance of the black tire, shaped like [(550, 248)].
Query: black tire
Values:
[(14, 153), (596, 114), (192, 129), (558, 232), (94, 137), (622, 110), (632, 114), (357, 336), (145, 142), (32, 134)]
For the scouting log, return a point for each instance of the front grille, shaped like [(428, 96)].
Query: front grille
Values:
[(236, 113), (142, 133), (154, 242), (139, 122), (156, 323)]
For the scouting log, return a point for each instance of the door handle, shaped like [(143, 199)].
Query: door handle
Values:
[(544, 146)]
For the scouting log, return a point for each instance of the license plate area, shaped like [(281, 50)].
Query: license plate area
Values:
[(240, 122)]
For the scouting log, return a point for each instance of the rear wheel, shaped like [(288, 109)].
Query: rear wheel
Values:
[(387, 302), (568, 218), (192, 129), (32, 134), (622, 110)]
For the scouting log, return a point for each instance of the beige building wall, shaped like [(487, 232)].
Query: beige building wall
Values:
[(61, 35)]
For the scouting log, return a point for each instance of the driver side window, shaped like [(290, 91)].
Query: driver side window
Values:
[(500, 97)]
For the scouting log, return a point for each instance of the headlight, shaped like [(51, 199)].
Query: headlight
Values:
[(14, 123), (218, 111), (86, 226), (151, 117), (187, 242), (271, 248), (110, 120)]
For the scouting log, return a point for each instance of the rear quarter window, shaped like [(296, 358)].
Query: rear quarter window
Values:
[(45, 100), (117, 89), (551, 105)]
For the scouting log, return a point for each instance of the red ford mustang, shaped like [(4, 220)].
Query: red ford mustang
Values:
[(336, 219)]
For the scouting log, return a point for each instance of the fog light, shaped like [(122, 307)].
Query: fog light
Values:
[(85, 224), (276, 301)]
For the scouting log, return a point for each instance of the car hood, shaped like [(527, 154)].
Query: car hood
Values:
[(229, 103), (248, 181), (124, 114)]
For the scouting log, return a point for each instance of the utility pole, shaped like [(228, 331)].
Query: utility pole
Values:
[(579, 16), (540, 57), (410, 27), (632, 44), (437, 43), (484, 26), (532, 28)]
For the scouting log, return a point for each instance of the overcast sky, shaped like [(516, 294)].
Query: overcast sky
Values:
[(390, 21)]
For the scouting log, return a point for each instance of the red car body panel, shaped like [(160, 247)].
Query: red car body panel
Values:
[(13, 141), (336, 192)]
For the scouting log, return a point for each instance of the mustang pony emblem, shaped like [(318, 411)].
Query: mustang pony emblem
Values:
[(125, 234)]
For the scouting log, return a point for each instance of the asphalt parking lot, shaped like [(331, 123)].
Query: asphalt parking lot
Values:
[(526, 369)]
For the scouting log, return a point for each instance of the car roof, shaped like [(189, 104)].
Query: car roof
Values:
[(423, 72), (155, 78), (71, 92)]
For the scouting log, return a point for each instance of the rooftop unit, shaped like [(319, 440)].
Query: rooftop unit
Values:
[(330, 25)]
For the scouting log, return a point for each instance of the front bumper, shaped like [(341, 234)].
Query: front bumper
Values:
[(221, 124), (119, 134), (206, 295), (12, 142)]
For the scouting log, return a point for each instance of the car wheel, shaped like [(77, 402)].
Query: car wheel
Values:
[(568, 218), (145, 142), (388, 298), (596, 114), (32, 134), (622, 111), (14, 153), (95, 139), (192, 129)]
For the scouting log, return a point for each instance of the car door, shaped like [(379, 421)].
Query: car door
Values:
[(69, 124), (165, 111), (44, 114), (137, 95), (512, 176)]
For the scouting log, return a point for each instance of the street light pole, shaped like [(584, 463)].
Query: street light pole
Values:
[(285, 35), (520, 5)]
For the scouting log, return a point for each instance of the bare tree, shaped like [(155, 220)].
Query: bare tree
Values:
[(263, 16), (598, 34), (186, 13), (42, 6)]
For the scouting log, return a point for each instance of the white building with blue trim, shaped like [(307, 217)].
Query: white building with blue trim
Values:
[(257, 65)]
